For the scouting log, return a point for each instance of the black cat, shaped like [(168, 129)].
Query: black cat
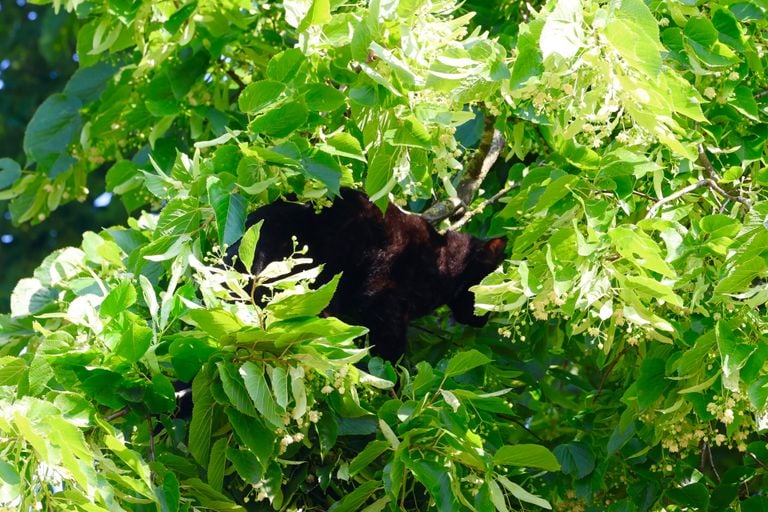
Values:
[(396, 267)]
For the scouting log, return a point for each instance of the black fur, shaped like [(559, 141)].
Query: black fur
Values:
[(395, 266)]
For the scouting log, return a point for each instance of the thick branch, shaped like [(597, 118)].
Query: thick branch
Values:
[(488, 151)]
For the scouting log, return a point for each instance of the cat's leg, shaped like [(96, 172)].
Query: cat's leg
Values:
[(387, 321)]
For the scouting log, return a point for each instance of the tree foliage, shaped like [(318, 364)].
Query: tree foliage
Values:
[(624, 368)]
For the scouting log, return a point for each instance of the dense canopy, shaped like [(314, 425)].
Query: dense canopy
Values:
[(619, 146)]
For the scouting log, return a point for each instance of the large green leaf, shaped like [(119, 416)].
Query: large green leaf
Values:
[(259, 392), (54, 126), (528, 455), (230, 210)]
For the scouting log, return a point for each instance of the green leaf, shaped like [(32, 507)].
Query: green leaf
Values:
[(184, 73), (354, 500), (258, 390), (322, 98), (217, 463), (280, 386), (202, 419), (319, 14), (523, 495), (30, 296), (285, 66), (562, 33), (281, 121), (229, 209), (527, 455), (246, 464), (259, 95), (655, 290), (641, 250), (366, 457), (379, 180), (343, 144), (741, 276), (651, 383), (575, 459), (169, 494), (120, 298), (12, 370), (323, 168), (497, 497), (412, 133), (694, 495), (311, 303), (254, 434), (464, 361), (247, 249), (436, 479), (744, 102), (757, 392), (10, 171), (555, 191), (134, 341), (88, 83), (55, 125), (234, 387)]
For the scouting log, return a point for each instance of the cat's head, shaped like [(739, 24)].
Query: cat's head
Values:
[(483, 258)]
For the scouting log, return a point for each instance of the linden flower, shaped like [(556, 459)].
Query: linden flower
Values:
[(710, 92), (327, 389), (733, 75), (727, 416)]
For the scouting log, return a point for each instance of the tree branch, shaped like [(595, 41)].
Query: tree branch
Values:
[(680, 193), (709, 170), (608, 371), (240, 84), (488, 151), (479, 208), (118, 414), (706, 182)]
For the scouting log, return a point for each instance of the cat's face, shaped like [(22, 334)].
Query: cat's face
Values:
[(483, 259)]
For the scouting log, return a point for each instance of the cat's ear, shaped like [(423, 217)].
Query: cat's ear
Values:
[(494, 249)]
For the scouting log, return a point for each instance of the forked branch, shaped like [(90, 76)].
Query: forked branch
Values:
[(488, 151)]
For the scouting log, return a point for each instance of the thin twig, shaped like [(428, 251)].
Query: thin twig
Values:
[(706, 453), (714, 179), (643, 194), (680, 193), (720, 190), (608, 371), (634, 192), (151, 439), (706, 182), (707, 165), (761, 94), (482, 206), (118, 414), (231, 73)]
